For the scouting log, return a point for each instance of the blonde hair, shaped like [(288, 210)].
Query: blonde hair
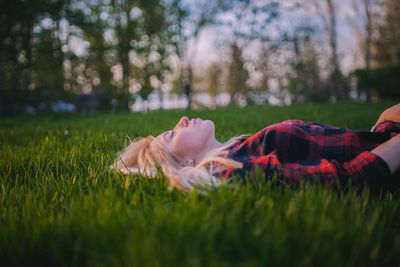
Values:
[(140, 157)]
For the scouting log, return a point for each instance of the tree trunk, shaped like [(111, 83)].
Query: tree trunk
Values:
[(189, 86), (336, 75), (368, 38)]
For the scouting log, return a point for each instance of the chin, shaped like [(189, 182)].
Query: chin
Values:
[(209, 125)]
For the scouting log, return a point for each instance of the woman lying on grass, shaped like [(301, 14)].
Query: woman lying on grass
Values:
[(292, 150)]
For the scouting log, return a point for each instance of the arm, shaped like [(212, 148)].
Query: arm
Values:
[(390, 152), (386, 126), (390, 114)]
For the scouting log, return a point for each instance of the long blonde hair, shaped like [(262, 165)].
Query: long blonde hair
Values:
[(140, 157)]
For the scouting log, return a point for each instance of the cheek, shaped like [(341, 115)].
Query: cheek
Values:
[(191, 141)]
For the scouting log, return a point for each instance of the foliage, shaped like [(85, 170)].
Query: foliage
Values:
[(60, 205), (214, 78), (238, 75), (305, 82), (386, 81), (138, 29), (387, 40), (54, 50), (36, 57), (20, 56)]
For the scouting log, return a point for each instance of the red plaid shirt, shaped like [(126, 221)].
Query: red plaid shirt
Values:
[(296, 150)]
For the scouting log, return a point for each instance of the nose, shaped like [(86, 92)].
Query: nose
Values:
[(183, 122)]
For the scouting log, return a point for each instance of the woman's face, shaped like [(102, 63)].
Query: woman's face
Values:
[(189, 139)]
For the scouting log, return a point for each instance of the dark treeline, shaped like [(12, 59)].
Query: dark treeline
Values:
[(116, 50)]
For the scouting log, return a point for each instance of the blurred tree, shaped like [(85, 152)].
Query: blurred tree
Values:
[(386, 45), (336, 81), (363, 24), (47, 72), (383, 76), (248, 20), (265, 66), (304, 79), (214, 78), (140, 30), (385, 81), (127, 46), (93, 19), (18, 41), (368, 32), (186, 19), (237, 76), (154, 56), (127, 29)]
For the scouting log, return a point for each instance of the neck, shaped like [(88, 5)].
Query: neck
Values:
[(214, 144)]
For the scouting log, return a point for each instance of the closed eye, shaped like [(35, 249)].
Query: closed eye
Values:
[(167, 135)]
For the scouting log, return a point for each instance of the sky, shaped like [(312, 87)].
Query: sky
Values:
[(347, 41), (211, 38)]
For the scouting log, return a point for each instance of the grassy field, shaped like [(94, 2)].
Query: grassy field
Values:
[(61, 206)]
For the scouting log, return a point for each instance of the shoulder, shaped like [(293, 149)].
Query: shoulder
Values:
[(287, 123), (269, 132), (284, 126), (301, 124), (276, 128)]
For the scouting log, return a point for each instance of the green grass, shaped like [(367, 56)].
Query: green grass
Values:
[(61, 206)]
